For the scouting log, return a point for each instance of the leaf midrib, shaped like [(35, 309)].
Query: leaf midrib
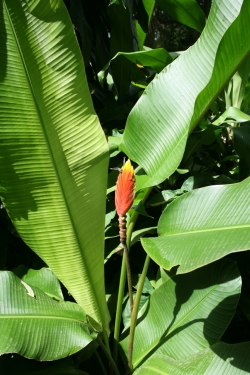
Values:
[(28, 316), (206, 230)]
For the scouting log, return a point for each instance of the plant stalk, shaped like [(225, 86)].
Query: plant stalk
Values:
[(119, 308), (123, 281), (129, 278), (135, 312), (121, 292)]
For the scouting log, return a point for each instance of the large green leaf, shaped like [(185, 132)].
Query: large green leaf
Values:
[(188, 313), (202, 226), (53, 153), (38, 327), (172, 104), (220, 359)]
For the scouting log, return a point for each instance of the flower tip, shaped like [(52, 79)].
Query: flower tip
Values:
[(127, 167)]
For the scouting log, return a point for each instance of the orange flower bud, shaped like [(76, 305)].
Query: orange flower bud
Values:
[(125, 189)]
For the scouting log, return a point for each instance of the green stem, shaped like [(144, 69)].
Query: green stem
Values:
[(108, 355), (100, 363), (135, 312), (118, 315), (123, 281), (129, 278)]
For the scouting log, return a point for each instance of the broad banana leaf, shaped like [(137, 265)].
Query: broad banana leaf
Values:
[(36, 326), (202, 226), (174, 102), (53, 153)]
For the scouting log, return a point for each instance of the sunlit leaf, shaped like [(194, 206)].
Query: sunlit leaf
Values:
[(53, 153), (174, 102), (39, 327), (202, 226)]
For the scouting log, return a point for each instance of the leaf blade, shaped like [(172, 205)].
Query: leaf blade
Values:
[(220, 358), (44, 319), (172, 104), (189, 223), (54, 154), (184, 315)]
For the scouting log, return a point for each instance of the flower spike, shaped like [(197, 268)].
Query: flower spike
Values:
[(125, 189)]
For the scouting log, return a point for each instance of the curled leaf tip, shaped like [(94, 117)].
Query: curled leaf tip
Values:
[(125, 189)]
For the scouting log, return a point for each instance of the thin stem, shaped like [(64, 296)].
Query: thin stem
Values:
[(118, 315), (129, 278), (135, 312), (123, 281), (108, 355), (100, 363)]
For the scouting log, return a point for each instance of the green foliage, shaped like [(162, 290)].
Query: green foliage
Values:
[(183, 119), (36, 320), (210, 230), (188, 309), (49, 177), (209, 361), (167, 122)]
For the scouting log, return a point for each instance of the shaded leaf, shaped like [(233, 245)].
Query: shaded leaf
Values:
[(221, 358), (187, 313)]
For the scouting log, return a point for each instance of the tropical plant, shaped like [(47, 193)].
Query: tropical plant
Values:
[(183, 120)]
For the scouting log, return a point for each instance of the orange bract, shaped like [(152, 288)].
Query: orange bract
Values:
[(125, 189)]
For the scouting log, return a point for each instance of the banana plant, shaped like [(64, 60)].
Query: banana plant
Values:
[(53, 179)]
